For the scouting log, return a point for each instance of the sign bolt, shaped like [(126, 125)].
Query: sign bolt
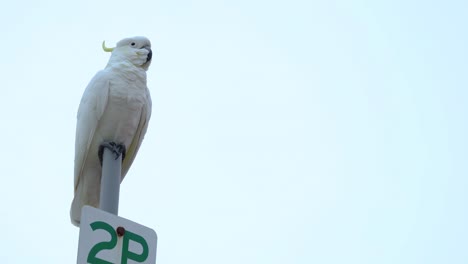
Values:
[(120, 231)]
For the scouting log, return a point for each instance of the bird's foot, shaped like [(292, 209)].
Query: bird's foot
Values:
[(117, 150)]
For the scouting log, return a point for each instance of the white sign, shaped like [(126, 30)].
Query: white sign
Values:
[(108, 239)]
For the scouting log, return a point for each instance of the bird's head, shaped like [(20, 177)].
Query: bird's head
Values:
[(136, 50)]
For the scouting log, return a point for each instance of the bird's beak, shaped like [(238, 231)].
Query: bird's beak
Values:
[(150, 54)]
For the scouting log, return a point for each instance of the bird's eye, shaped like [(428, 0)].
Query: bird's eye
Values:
[(133, 43)]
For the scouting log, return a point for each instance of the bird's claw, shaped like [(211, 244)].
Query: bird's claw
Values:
[(117, 150)]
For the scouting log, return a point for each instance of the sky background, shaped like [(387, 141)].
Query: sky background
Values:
[(282, 131)]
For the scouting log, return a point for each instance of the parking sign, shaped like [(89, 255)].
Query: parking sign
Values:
[(109, 239)]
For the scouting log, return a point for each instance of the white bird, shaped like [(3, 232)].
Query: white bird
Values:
[(115, 107)]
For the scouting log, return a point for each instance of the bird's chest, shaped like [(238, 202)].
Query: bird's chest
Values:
[(127, 100), (129, 93), (123, 114)]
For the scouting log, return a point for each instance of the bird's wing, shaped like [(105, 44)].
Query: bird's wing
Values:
[(138, 138), (92, 106)]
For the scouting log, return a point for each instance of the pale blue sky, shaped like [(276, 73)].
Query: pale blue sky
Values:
[(282, 131)]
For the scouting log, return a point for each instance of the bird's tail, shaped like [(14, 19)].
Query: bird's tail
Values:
[(86, 193), (75, 212)]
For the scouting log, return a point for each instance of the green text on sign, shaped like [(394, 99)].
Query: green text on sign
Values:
[(108, 245)]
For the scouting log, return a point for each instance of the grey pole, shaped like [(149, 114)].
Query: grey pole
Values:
[(110, 182)]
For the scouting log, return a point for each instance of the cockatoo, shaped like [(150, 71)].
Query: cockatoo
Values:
[(115, 107)]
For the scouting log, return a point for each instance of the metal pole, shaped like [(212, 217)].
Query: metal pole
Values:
[(110, 182)]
